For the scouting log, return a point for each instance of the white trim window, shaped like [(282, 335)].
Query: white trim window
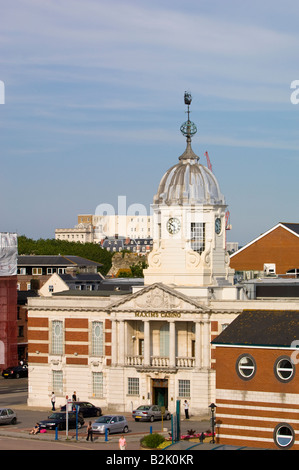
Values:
[(184, 388), (133, 385), (57, 337), (198, 232), (97, 340), (57, 382), (246, 367), (37, 271), (97, 384)]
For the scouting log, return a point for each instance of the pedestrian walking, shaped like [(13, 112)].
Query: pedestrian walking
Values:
[(53, 399), (122, 443), (89, 432), (186, 407), (202, 437), (74, 396)]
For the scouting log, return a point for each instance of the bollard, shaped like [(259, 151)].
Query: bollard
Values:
[(151, 430), (106, 435), (77, 412), (56, 433)]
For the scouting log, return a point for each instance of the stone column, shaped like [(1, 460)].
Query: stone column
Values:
[(198, 345), (147, 340), (172, 362), (121, 342), (114, 342), (206, 347)]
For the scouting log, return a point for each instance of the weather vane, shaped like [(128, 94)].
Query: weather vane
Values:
[(188, 128)]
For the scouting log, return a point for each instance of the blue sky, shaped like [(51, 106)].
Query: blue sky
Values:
[(94, 102)]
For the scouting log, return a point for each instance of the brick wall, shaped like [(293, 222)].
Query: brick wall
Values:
[(279, 246), (248, 411), (76, 340)]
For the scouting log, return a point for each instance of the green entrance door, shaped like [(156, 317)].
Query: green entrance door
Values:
[(160, 392)]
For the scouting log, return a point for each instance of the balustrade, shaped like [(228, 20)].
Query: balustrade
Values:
[(158, 361)]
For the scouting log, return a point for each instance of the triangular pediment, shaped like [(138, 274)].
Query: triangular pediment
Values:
[(158, 297)]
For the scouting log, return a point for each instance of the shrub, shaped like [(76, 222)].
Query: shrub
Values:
[(152, 440)]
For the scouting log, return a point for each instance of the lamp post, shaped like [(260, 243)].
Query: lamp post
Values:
[(213, 421)]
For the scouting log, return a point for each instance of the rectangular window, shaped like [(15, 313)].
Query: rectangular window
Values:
[(57, 337), (97, 384), (57, 382), (37, 271), (197, 236), (164, 340), (184, 388), (133, 386), (141, 347), (97, 339)]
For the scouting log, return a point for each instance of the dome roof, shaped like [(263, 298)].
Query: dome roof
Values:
[(188, 182)]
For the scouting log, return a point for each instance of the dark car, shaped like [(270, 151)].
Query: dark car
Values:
[(58, 419), (88, 410), (149, 413), (15, 372)]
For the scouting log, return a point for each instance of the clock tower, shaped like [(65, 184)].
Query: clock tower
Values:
[(189, 246)]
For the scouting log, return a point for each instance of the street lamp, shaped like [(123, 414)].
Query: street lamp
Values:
[(213, 420)]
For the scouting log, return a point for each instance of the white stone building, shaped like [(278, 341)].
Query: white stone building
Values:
[(154, 344)]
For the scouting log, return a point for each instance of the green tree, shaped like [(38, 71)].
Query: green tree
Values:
[(91, 251)]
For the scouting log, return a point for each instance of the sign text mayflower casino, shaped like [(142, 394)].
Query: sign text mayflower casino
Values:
[(158, 314)]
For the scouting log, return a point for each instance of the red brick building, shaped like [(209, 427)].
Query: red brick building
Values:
[(8, 300), (274, 252), (257, 381), (8, 322)]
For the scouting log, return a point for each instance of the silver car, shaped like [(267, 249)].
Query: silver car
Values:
[(149, 413), (113, 423), (7, 416)]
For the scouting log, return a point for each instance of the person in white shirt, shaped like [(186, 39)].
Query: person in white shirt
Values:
[(186, 407)]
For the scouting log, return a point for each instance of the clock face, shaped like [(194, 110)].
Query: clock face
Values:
[(218, 225), (173, 225)]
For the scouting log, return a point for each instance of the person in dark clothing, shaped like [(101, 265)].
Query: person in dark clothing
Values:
[(89, 432)]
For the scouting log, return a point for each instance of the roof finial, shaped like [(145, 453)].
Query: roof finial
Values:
[(188, 128)]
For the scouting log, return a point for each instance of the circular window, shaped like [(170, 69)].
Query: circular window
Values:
[(284, 435), (284, 369), (246, 367)]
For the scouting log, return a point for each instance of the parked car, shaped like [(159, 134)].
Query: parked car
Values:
[(7, 416), (149, 413), (88, 410), (113, 423), (15, 372), (58, 419)]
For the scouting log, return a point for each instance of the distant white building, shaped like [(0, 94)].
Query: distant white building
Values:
[(94, 228)]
